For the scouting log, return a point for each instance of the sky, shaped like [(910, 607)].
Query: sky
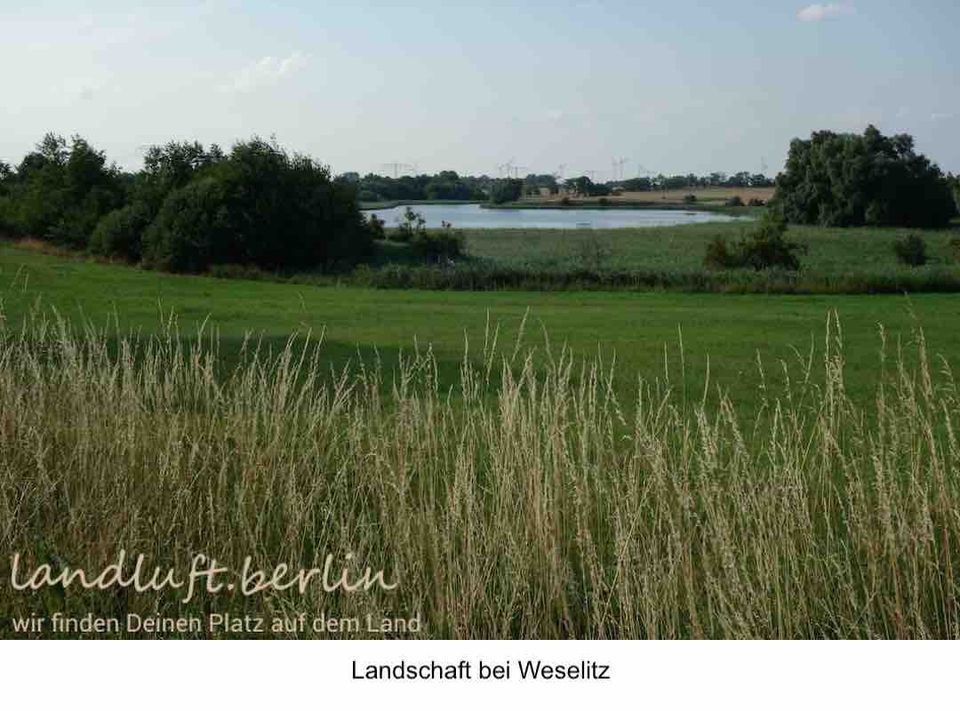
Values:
[(672, 86)]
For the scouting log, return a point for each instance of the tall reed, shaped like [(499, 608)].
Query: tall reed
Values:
[(528, 502)]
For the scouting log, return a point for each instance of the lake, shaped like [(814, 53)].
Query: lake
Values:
[(477, 217)]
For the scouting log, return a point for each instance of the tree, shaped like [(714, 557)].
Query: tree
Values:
[(259, 206), (849, 180), (59, 193), (506, 190), (584, 187)]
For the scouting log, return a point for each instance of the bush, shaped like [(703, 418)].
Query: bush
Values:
[(411, 227), (954, 245), (911, 250), (438, 246), (756, 202), (566, 201), (735, 201), (374, 226), (119, 233), (689, 199), (248, 272), (719, 255), (195, 228), (764, 248), (603, 201)]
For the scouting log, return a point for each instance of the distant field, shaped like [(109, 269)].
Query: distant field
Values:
[(707, 196), (639, 328), (682, 247)]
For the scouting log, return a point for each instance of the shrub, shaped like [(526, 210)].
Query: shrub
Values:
[(911, 250), (756, 202), (566, 201), (236, 271), (689, 198), (374, 226), (735, 201), (410, 227), (764, 248), (119, 233), (719, 255), (954, 245), (195, 228), (438, 246), (603, 201)]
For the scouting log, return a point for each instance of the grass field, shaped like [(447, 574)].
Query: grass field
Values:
[(639, 328), (831, 251), (834, 261), (527, 501), (517, 492)]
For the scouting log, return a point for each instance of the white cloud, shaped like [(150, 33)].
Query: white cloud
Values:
[(266, 71), (818, 12), (941, 116)]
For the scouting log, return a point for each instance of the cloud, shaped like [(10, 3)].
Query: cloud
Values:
[(818, 12), (941, 117), (266, 71)]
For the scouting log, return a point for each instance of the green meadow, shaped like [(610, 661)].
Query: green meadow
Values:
[(830, 251), (675, 336)]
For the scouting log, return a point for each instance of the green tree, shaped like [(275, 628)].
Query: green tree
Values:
[(849, 180), (259, 206), (506, 190), (59, 193)]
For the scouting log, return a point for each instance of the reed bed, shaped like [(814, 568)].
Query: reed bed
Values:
[(527, 502)]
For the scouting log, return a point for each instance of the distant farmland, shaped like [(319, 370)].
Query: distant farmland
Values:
[(707, 196)]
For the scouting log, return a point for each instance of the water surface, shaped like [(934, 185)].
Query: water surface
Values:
[(477, 217)]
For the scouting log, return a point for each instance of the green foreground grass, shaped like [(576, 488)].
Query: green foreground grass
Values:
[(722, 334), (533, 504)]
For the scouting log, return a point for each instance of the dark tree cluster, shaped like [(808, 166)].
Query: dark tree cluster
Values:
[(585, 187), (845, 179), (506, 190), (60, 191), (742, 179), (189, 208), (445, 185)]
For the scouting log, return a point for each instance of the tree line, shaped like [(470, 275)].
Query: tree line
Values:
[(449, 185), (189, 208)]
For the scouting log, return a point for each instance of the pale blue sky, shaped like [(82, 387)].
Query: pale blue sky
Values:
[(672, 86)]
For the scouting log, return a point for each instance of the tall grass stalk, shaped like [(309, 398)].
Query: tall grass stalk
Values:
[(529, 502)]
